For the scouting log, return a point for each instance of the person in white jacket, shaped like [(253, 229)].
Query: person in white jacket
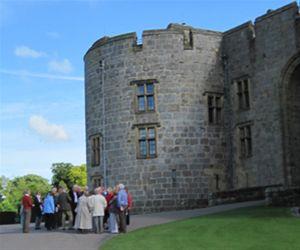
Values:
[(98, 205)]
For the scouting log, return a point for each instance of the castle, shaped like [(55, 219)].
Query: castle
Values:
[(190, 111)]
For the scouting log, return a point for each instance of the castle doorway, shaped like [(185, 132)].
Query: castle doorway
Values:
[(292, 123)]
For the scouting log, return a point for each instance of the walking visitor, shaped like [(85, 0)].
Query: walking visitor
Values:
[(63, 202), (98, 204), (27, 206)]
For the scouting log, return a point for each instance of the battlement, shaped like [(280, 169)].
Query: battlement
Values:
[(183, 30)]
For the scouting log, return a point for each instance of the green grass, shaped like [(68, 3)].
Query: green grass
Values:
[(258, 228)]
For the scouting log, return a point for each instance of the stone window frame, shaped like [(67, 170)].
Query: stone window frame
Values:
[(146, 126), (245, 139), (137, 84), (97, 181), (243, 98), (214, 110), (95, 143)]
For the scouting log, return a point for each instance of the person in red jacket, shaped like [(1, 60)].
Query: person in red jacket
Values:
[(27, 205)]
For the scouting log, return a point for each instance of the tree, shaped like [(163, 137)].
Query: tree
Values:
[(67, 174), (61, 173), (14, 189), (77, 175)]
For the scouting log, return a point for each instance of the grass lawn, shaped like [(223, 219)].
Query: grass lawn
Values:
[(258, 228)]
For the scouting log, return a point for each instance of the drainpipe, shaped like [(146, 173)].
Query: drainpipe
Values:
[(102, 68)]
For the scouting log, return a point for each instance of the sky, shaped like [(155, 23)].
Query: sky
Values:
[(42, 44)]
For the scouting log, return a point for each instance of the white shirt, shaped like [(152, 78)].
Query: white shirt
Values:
[(75, 197)]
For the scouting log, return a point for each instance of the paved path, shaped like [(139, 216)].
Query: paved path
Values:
[(11, 237)]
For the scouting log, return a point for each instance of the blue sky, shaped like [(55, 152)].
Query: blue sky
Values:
[(42, 44)]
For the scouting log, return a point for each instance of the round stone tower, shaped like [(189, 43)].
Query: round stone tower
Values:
[(153, 116)]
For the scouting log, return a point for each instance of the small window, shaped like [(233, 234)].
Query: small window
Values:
[(145, 97), (95, 146), (147, 142), (243, 94), (97, 181), (245, 141), (214, 102)]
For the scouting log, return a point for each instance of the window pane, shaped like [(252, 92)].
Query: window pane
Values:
[(211, 115), (218, 102), (242, 133), (141, 101), (141, 90), (151, 133), (249, 147), (248, 131), (152, 147), (239, 85), (245, 85), (210, 101), (241, 105), (150, 100), (247, 101), (243, 148), (218, 116), (143, 148), (150, 88), (142, 132)]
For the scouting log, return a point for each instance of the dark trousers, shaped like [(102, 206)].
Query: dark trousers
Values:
[(127, 217), (57, 218), (38, 219), (49, 221), (26, 220), (122, 221), (106, 216)]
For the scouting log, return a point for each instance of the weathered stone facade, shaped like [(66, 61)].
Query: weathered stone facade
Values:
[(188, 67)]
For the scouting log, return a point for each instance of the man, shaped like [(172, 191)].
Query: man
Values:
[(27, 205), (63, 201), (74, 195), (37, 210), (122, 205), (98, 204)]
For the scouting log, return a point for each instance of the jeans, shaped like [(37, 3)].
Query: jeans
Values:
[(98, 224), (38, 219), (113, 225)]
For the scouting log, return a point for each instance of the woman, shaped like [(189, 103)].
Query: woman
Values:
[(113, 213), (83, 220), (37, 210), (48, 211)]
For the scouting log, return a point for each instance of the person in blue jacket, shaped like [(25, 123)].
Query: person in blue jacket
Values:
[(122, 205), (49, 209)]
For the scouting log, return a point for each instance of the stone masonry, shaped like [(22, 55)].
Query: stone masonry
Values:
[(187, 67)]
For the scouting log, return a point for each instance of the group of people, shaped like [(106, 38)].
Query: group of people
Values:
[(80, 209)]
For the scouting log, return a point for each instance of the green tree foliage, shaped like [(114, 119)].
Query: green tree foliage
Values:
[(77, 175), (61, 173), (67, 174), (14, 189)]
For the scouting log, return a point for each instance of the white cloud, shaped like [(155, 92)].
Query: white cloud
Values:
[(63, 66), (24, 51), (24, 73), (51, 131)]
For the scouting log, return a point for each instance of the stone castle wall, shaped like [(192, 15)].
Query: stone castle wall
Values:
[(194, 157), (260, 51), (184, 71)]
